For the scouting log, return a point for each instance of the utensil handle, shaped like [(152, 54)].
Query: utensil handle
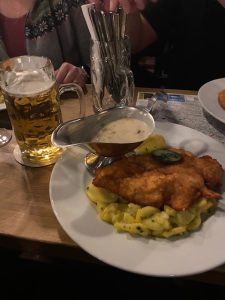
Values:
[(122, 19)]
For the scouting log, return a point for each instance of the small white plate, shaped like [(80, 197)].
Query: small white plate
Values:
[(208, 97), (195, 253)]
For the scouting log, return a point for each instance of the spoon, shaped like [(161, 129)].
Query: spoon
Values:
[(82, 132)]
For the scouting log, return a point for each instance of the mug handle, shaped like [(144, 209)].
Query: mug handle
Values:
[(73, 87)]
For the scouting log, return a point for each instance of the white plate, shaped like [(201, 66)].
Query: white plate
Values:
[(2, 106), (198, 252), (208, 97)]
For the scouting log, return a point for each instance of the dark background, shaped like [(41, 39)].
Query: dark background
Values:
[(26, 278)]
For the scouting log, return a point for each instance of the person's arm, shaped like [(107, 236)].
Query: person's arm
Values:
[(222, 2), (139, 30)]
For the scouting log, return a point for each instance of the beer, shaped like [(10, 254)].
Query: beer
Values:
[(34, 110), (31, 96)]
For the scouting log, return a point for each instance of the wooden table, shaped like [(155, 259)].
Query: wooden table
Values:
[(27, 221)]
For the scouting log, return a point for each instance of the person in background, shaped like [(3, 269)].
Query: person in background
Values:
[(52, 28), (192, 32)]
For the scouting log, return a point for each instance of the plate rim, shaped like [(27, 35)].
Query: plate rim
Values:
[(149, 273), (200, 91)]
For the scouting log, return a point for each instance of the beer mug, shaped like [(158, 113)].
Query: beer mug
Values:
[(111, 77), (31, 96)]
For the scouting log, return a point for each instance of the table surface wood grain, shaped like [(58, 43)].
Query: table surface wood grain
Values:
[(27, 221)]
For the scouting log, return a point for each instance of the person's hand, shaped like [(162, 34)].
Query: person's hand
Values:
[(129, 6), (68, 73)]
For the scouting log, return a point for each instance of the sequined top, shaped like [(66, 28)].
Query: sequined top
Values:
[(55, 29)]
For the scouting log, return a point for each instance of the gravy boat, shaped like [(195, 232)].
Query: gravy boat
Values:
[(82, 132)]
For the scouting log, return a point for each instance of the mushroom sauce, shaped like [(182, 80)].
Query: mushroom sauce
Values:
[(125, 130)]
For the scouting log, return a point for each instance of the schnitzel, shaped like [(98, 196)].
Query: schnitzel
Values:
[(145, 181)]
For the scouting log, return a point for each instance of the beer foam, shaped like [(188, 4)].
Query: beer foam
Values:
[(28, 83)]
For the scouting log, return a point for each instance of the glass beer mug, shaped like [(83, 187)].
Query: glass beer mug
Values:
[(111, 76), (31, 96)]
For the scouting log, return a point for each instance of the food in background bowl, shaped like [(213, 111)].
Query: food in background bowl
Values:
[(163, 193), (221, 98)]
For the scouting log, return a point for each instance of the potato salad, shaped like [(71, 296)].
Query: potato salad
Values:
[(148, 220)]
